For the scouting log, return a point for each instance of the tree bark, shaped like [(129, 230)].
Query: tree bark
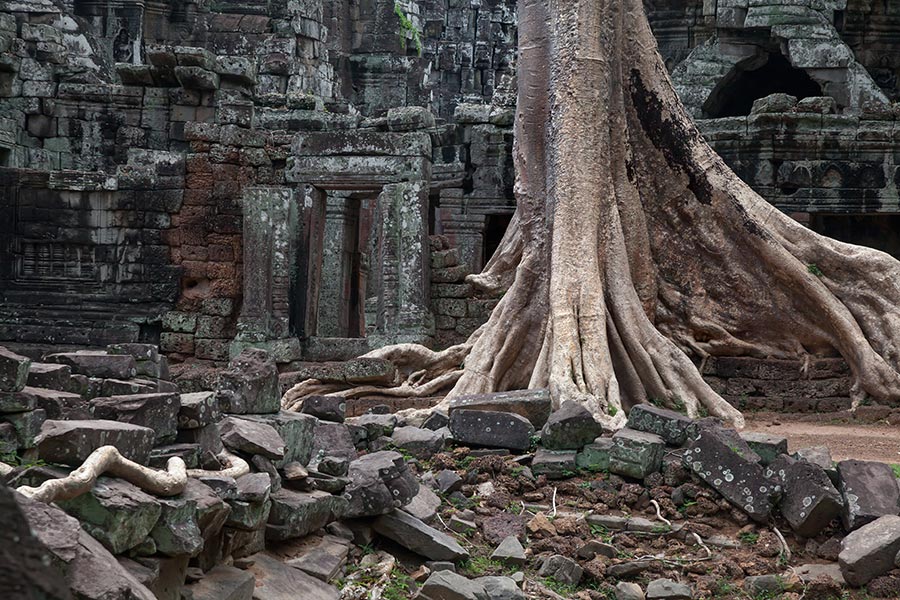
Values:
[(634, 246)]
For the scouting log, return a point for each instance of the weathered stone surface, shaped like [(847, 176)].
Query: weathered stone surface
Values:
[(424, 505), (636, 453), (158, 412), (49, 376), (296, 430), (93, 363), (625, 590), (27, 424), (116, 513), (415, 535), (224, 583), (555, 464), (177, 533), (721, 459), (491, 429), (501, 588), (421, 443), (357, 371), (13, 370), (9, 441), (90, 570), (510, 551), (332, 439), (19, 401), (277, 581), (70, 442), (870, 551), (810, 501), (189, 453), (198, 409), (60, 404), (327, 408), (379, 483), (561, 568), (671, 426), (321, 557), (447, 585), (768, 447), (870, 491), (534, 405), (570, 428), (375, 425), (244, 435), (295, 514), (249, 384), (666, 589), (595, 456)]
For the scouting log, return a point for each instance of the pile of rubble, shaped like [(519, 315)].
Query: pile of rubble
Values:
[(499, 499)]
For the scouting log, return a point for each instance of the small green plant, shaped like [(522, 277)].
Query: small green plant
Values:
[(748, 537), (534, 440), (481, 565), (725, 588), (399, 587), (367, 549), (814, 269), (563, 589), (661, 529), (683, 508), (407, 29), (896, 470), (612, 410)]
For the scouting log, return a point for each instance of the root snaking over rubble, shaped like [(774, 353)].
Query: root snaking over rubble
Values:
[(635, 246)]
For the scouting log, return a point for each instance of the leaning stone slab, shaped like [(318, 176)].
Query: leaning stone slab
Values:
[(71, 442), (93, 363), (424, 506), (636, 454), (250, 384), (671, 426), (276, 580), (491, 429), (534, 405), (870, 491), (116, 513), (570, 428), (297, 431), (13, 370), (716, 456), (332, 439), (27, 425), (159, 412), (810, 501), (379, 483), (244, 435), (295, 514), (177, 533), (413, 534), (870, 551), (768, 447)]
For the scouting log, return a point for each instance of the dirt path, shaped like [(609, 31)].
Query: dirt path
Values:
[(864, 441)]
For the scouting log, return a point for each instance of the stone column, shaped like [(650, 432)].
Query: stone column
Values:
[(339, 249)]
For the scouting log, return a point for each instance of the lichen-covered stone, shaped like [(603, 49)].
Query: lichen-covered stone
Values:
[(491, 429), (250, 437), (768, 447), (93, 363), (296, 430), (296, 514), (555, 464), (379, 483), (570, 428), (198, 409), (159, 412), (249, 385), (177, 533), (636, 453), (71, 442), (870, 491), (534, 405), (810, 500), (673, 427), (13, 371)]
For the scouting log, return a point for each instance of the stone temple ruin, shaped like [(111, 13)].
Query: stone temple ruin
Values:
[(205, 202)]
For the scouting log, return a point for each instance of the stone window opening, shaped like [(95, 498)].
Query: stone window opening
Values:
[(735, 95)]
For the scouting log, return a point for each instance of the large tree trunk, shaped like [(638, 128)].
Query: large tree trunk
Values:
[(633, 245)]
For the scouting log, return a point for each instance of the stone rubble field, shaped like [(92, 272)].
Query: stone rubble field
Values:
[(500, 499)]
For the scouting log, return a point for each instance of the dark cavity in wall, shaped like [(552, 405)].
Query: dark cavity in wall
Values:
[(880, 231), (494, 228)]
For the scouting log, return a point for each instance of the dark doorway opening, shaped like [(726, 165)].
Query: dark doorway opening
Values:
[(494, 228), (735, 98), (879, 231)]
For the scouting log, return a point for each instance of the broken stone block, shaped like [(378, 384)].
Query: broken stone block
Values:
[(16, 402), (562, 569), (570, 428), (424, 505), (461, 525), (118, 514), (223, 583), (332, 439), (409, 118), (71, 442), (248, 516), (721, 459), (297, 431), (276, 580), (768, 447), (534, 405), (198, 409), (13, 371), (595, 456), (49, 376), (177, 533), (189, 453), (358, 371), (870, 551), (421, 443), (28, 426), (510, 551), (501, 588), (555, 464), (636, 454), (327, 408), (671, 426), (9, 441), (249, 384), (295, 514), (447, 585), (448, 481), (379, 483), (117, 387), (870, 491), (491, 429), (666, 589), (375, 426), (243, 435), (94, 363), (207, 437), (625, 590), (810, 501), (137, 351), (774, 103), (413, 534), (320, 557), (61, 405), (159, 412)]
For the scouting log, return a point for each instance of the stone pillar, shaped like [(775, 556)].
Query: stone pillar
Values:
[(338, 257), (464, 229), (270, 232), (403, 262)]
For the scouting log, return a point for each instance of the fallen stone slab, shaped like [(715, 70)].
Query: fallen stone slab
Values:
[(413, 534), (448, 481), (18, 401), (595, 456), (821, 456), (357, 371), (49, 376), (501, 588), (421, 443), (321, 557), (223, 583), (197, 410), (332, 439), (296, 430), (510, 551), (189, 453), (61, 405), (636, 454), (554, 464), (27, 425), (870, 491), (159, 412), (810, 501), (870, 551), (809, 572), (71, 442), (13, 370), (571, 427), (250, 384), (562, 569), (424, 505), (176, 532), (447, 585), (375, 425), (326, 408), (671, 426), (534, 405), (625, 590), (666, 589), (491, 429), (96, 363), (767, 446), (277, 581), (251, 437), (117, 387), (379, 483), (296, 514)]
